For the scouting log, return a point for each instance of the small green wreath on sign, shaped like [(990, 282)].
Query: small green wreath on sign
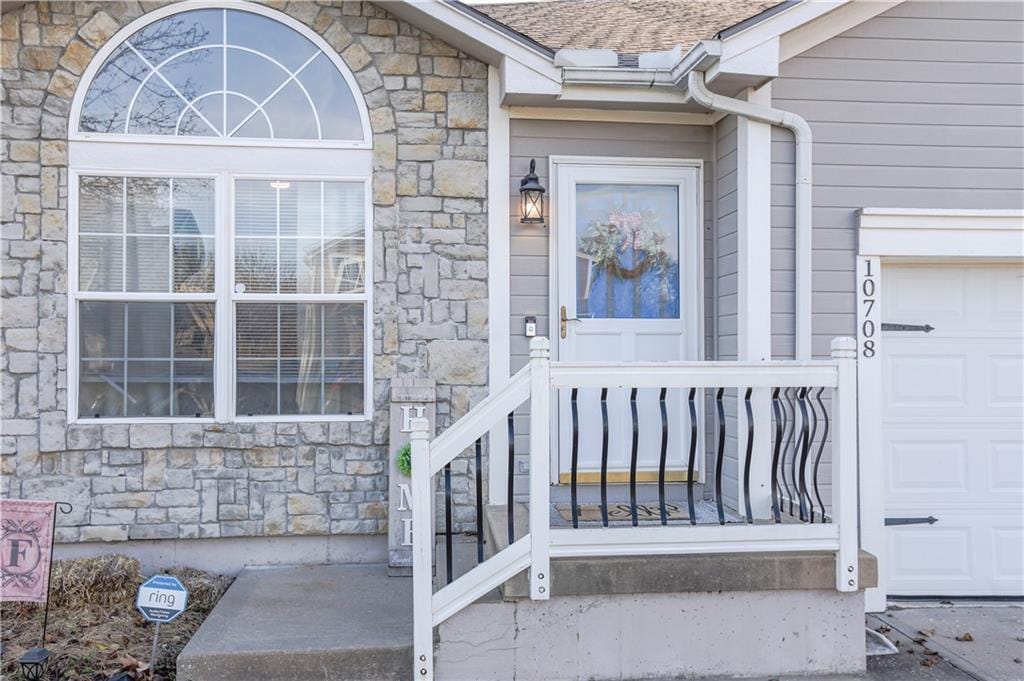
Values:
[(403, 460)]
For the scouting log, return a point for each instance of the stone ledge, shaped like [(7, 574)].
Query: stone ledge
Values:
[(761, 571)]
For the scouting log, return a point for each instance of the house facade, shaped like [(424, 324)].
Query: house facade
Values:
[(230, 228)]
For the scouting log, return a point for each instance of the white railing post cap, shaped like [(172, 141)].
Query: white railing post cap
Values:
[(540, 346), (844, 346), (419, 428)]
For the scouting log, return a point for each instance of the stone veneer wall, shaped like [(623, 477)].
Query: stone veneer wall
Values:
[(428, 106)]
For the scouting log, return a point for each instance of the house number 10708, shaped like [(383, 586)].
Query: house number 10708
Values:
[(868, 290)]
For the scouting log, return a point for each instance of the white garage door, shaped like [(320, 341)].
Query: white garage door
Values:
[(953, 423)]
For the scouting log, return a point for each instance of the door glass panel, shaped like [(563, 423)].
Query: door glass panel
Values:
[(627, 251)]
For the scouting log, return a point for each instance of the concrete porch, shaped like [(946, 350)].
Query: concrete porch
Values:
[(609, 618)]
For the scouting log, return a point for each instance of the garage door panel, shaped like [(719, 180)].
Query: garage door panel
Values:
[(1005, 380), (953, 419), (1008, 554), (919, 551), (925, 293), (917, 466), (919, 379), (1007, 466)]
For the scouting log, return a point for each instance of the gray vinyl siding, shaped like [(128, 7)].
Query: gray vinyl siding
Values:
[(920, 107), (725, 275), (539, 139)]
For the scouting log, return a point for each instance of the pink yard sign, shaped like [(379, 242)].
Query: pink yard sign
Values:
[(26, 546)]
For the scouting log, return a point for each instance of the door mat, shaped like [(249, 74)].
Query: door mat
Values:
[(622, 512)]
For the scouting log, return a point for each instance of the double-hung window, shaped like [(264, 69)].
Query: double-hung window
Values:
[(219, 269)]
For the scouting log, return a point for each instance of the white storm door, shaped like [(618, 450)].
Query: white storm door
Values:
[(953, 428), (628, 272)]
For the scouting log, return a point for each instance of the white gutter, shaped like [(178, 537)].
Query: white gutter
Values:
[(802, 134)]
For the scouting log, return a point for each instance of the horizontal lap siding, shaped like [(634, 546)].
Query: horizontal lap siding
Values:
[(725, 271), (920, 107), (536, 139)]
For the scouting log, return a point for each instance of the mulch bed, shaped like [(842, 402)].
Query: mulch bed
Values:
[(95, 631)]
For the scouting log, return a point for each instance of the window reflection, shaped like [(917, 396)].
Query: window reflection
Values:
[(221, 73)]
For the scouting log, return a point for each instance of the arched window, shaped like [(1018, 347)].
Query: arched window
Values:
[(219, 224), (226, 73)]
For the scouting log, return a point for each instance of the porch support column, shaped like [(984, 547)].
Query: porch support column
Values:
[(753, 312), (498, 278)]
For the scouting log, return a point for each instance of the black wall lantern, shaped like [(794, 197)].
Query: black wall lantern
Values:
[(531, 198)]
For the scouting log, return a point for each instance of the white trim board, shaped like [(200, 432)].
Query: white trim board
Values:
[(547, 113), (498, 274), (903, 232), (907, 235)]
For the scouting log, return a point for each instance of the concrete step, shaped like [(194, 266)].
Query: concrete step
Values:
[(328, 622)]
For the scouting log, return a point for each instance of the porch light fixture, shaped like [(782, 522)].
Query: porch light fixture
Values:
[(531, 197), (34, 663)]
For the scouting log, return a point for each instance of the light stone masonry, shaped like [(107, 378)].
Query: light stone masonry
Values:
[(428, 109)]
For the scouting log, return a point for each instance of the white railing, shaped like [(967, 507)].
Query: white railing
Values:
[(534, 383)]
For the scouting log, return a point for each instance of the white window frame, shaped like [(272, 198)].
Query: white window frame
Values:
[(96, 154)]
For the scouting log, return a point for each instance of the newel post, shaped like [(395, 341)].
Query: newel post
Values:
[(844, 463), (422, 546), (540, 465)]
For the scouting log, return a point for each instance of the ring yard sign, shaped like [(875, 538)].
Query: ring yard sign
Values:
[(161, 598)]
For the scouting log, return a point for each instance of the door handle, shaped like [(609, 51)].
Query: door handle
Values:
[(565, 319)]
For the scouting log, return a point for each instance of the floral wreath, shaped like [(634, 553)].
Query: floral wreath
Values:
[(605, 242)]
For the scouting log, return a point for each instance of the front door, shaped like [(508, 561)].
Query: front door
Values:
[(628, 272)]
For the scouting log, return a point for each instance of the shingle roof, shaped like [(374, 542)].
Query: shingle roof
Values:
[(625, 26)]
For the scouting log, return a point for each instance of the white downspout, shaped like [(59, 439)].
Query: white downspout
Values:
[(802, 135)]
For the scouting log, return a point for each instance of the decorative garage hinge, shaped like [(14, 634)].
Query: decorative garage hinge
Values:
[(930, 520), (907, 327)]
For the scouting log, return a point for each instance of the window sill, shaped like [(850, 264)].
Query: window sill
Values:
[(174, 420)]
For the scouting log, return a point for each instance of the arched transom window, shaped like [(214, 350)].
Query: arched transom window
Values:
[(227, 73), (220, 224)]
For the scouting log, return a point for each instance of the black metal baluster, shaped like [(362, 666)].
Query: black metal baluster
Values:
[(479, 501), (604, 456), (448, 522), (779, 427), (721, 456), (821, 448), (802, 448), (633, 457), (810, 445), (693, 457), (575, 456), (746, 460), (790, 415), (664, 456), (510, 512)]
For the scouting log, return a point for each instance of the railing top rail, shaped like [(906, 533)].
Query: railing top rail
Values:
[(479, 420), (775, 374)]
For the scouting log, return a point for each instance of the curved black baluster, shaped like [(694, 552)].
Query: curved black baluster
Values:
[(510, 512), (779, 427), (664, 456), (448, 522), (810, 445), (604, 456), (479, 502), (821, 448), (790, 414), (746, 460), (633, 457), (721, 456), (693, 457), (802, 448), (575, 456)]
